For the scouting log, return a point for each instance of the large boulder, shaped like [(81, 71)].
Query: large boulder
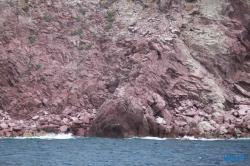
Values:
[(118, 119)]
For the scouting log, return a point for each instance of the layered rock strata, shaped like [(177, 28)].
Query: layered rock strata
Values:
[(164, 68)]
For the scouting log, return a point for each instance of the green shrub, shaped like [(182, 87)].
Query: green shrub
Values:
[(107, 3), (38, 66), (109, 26), (90, 17), (110, 16), (32, 39), (26, 1), (80, 48), (78, 19), (77, 32), (88, 46), (47, 18), (79, 62), (83, 11)]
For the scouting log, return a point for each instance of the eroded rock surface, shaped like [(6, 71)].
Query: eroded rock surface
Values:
[(118, 119), (165, 68)]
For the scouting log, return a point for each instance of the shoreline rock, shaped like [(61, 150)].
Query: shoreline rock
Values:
[(90, 68)]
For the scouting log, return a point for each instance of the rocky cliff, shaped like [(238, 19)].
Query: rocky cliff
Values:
[(122, 68)]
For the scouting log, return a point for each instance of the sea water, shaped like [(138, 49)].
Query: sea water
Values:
[(56, 150)]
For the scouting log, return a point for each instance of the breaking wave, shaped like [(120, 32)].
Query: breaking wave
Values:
[(50, 136), (190, 138), (152, 138)]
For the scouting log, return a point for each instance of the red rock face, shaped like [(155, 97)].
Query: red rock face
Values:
[(118, 119), (125, 68)]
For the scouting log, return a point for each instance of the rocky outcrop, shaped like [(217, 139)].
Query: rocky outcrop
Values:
[(118, 119), (125, 68)]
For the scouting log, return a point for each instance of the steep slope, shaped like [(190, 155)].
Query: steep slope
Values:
[(110, 68)]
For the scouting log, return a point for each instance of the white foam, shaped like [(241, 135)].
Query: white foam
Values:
[(192, 138), (57, 136), (244, 139), (188, 138), (152, 138), (212, 139), (50, 136)]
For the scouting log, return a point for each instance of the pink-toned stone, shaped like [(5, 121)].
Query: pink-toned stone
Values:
[(248, 126), (166, 115), (12, 124), (7, 133), (16, 128), (74, 119), (225, 125), (243, 110), (186, 130), (238, 122), (229, 119), (81, 132), (67, 111), (86, 120), (35, 117), (37, 102), (14, 134), (191, 112), (64, 129), (65, 120), (1, 133), (45, 101), (180, 123), (189, 103), (197, 118), (4, 126), (219, 119), (77, 122)]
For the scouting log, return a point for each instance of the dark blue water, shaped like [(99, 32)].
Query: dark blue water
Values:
[(120, 152)]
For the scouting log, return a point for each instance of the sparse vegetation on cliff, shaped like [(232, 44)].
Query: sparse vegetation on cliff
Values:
[(83, 11), (38, 66), (88, 46), (25, 8), (47, 18), (80, 48), (32, 39), (107, 3), (77, 32), (81, 60), (110, 17), (78, 19)]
